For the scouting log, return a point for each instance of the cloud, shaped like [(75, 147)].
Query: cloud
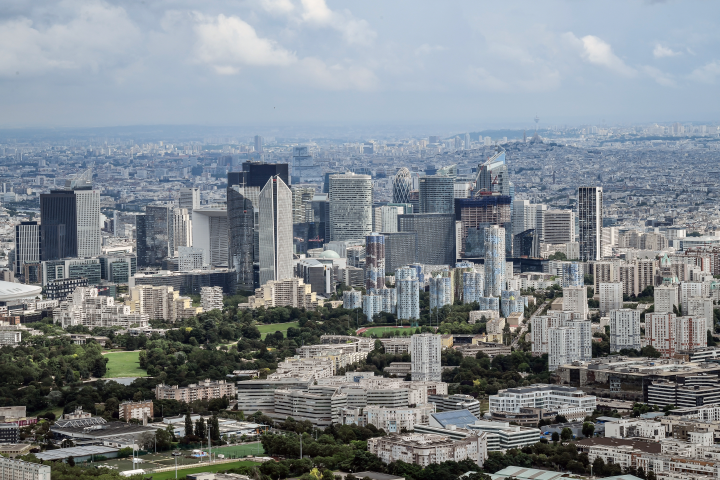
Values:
[(598, 52), (354, 31), (426, 49), (229, 43), (659, 76), (708, 73), (337, 76), (282, 7), (661, 52), (539, 79), (95, 36)]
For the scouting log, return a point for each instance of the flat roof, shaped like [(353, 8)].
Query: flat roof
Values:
[(645, 446), (63, 453)]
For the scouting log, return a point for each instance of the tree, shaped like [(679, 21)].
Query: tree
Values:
[(561, 419), (200, 430), (188, 425), (215, 431), (588, 429), (71, 461), (555, 437), (566, 434)]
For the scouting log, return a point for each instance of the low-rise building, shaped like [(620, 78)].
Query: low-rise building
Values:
[(205, 390), (542, 396), (426, 449)]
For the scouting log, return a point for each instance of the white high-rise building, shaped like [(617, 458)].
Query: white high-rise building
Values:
[(670, 334), (441, 292), (494, 261), (611, 297), (181, 235), (689, 290), (258, 141), (624, 329), (558, 227), (352, 299), (211, 298), (407, 286), (575, 300), (189, 198), (190, 258), (88, 223), (563, 336), (276, 235), (210, 233), (426, 350), (702, 307), (27, 245), (666, 297), (473, 286), (386, 220), (590, 215), (528, 215), (350, 206), (18, 469)]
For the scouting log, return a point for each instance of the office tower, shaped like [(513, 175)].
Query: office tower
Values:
[(210, 233), (386, 218), (611, 297), (350, 206), (494, 261), (527, 216), (666, 298), (181, 230), (258, 140), (493, 176), (300, 197), (190, 198), (27, 246), (624, 329), (434, 139), (154, 235), (575, 300), (467, 141), (276, 258), (437, 194), (70, 220), (558, 226), (590, 214), (473, 286), (435, 236), (320, 230), (402, 184), (475, 214), (256, 174), (190, 258), (426, 350), (526, 244), (303, 166), (670, 334), (407, 287), (400, 250), (374, 261), (241, 236), (441, 291)]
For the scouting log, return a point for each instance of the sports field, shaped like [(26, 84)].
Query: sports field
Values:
[(240, 450), (274, 327), (221, 467), (124, 364), (379, 331)]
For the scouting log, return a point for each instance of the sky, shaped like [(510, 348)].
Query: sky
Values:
[(479, 64)]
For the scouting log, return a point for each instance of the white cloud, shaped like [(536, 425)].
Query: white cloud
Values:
[(336, 77), (426, 49), (97, 35), (282, 7), (708, 73), (354, 31), (661, 52), (598, 52), (659, 76), (229, 43)]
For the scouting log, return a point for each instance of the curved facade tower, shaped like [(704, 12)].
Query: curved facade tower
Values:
[(402, 184)]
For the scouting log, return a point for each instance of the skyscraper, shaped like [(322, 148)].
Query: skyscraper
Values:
[(210, 232), (477, 213), (493, 175), (467, 141), (402, 184), (436, 194), (350, 206), (558, 226), (590, 213), (441, 292), (300, 197), (87, 203), (494, 261), (276, 250), (181, 226), (27, 245), (435, 236), (426, 350), (154, 235), (259, 144), (303, 166), (407, 286), (374, 261), (624, 329), (241, 237), (400, 250)]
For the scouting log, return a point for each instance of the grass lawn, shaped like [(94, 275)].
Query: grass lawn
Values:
[(274, 327), (124, 364), (241, 450), (380, 330), (207, 468)]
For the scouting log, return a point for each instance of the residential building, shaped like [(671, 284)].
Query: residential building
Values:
[(211, 298), (666, 298), (495, 265), (352, 299), (473, 286), (426, 449), (161, 303), (611, 297), (426, 349), (291, 292), (407, 286), (575, 300), (572, 344), (374, 261), (590, 215), (10, 336), (137, 410), (321, 406), (441, 291), (205, 390), (670, 334), (11, 469), (85, 307), (624, 329)]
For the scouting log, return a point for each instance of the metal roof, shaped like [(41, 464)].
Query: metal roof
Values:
[(459, 418), (63, 453), (14, 291)]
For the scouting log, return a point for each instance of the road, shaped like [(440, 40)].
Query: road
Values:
[(524, 326)]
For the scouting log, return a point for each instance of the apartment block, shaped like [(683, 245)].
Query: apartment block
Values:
[(205, 390), (426, 449), (624, 329), (19, 470), (211, 298), (136, 410), (611, 297), (670, 334)]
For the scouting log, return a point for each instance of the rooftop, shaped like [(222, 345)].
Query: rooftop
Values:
[(63, 453)]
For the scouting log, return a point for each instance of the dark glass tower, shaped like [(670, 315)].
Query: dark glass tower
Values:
[(58, 230)]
